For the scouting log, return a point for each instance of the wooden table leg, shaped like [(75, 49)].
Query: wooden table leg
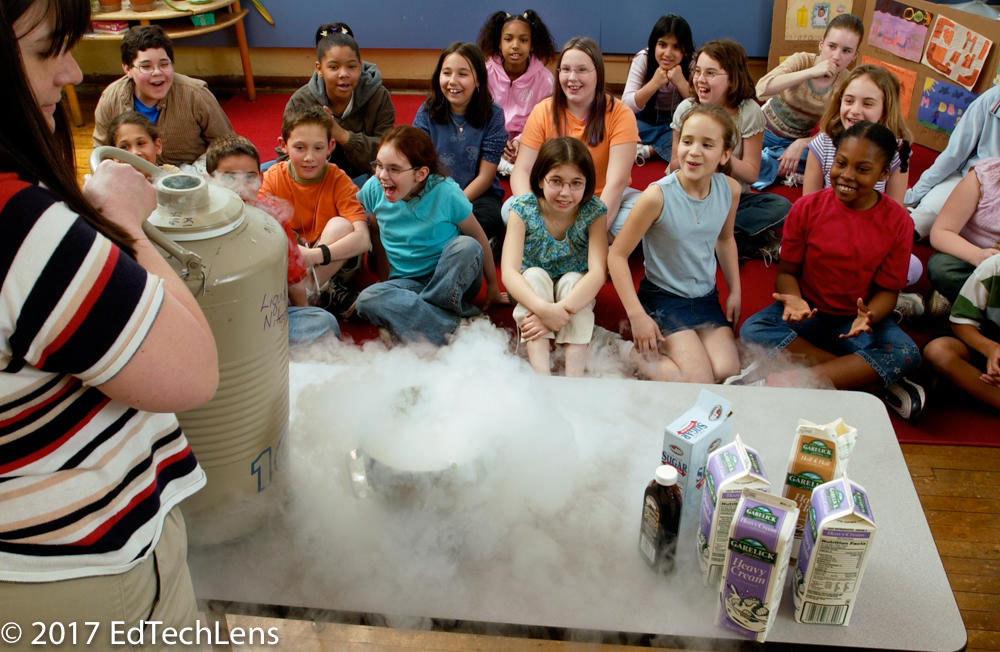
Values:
[(241, 41), (74, 105)]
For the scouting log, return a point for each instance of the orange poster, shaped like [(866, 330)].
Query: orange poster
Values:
[(907, 81)]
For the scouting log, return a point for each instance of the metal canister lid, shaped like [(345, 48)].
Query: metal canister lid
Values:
[(189, 208)]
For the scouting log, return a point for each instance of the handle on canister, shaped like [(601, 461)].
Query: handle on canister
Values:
[(193, 267)]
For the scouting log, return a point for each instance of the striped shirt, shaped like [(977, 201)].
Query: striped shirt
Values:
[(85, 481)]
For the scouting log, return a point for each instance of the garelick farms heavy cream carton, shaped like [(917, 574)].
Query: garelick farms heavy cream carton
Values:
[(688, 440), (819, 454), (835, 547), (758, 548), (730, 469)]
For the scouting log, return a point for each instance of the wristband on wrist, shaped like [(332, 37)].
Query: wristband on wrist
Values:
[(326, 254)]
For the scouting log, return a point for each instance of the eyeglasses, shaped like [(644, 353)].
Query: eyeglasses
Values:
[(580, 70), (555, 183), (147, 67), (391, 170), (707, 75)]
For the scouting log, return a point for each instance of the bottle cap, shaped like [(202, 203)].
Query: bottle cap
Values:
[(666, 474)]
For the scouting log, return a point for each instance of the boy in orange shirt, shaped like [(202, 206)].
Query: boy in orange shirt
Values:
[(328, 218)]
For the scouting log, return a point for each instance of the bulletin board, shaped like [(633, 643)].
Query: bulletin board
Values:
[(944, 57)]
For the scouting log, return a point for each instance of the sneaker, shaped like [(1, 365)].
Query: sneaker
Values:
[(748, 375), (339, 299), (771, 250), (504, 167), (906, 398), (642, 154), (794, 180), (909, 307), (938, 305), (349, 268)]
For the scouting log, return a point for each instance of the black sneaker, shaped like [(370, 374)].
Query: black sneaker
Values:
[(906, 398), (339, 299), (349, 269)]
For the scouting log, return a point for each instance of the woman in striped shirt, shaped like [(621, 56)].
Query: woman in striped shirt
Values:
[(101, 342)]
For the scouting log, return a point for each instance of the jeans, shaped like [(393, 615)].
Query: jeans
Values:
[(307, 323), (428, 308), (771, 150), (659, 136), (759, 212), (948, 274), (887, 349)]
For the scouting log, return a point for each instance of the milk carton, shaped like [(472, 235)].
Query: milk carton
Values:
[(758, 547), (730, 469), (835, 548), (689, 439), (819, 454)]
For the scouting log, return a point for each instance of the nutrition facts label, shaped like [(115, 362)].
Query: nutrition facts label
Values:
[(839, 558)]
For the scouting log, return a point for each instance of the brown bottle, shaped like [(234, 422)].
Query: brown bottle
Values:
[(661, 515)]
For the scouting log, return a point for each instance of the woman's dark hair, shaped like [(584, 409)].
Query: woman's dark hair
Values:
[(415, 145), (145, 37), (543, 47), (879, 135), (480, 106), (334, 34), (562, 151), (670, 25), (593, 131), (27, 145), (733, 59), (131, 118)]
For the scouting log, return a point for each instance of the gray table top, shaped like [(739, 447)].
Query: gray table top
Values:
[(545, 531)]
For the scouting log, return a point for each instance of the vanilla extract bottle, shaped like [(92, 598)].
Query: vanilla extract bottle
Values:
[(661, 516)]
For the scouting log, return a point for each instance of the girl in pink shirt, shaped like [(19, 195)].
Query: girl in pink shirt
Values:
[(517, 48)]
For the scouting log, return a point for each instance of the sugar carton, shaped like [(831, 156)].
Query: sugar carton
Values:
[(819, 454), (730, 469), (835, 548), (758, 548), (689, 439)]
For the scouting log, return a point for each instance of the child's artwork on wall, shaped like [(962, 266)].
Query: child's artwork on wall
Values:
[(806, 20), (956, 52), (899, 28), (907, 81), (942, 104)]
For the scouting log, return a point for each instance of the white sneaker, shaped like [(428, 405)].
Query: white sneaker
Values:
[(749, 375), (909, 306), (794, 180), (504, 167), (642, 154), (906, 398)]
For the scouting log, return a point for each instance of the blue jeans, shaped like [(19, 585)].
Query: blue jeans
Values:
[(428, 308), (771, 150), (659, 136), (307, 323), (887, 349), (758, 212)]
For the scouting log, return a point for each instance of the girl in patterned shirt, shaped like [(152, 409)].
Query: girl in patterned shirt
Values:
[(554, 255)]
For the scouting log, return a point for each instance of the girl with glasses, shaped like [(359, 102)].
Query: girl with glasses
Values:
[(554, 255)]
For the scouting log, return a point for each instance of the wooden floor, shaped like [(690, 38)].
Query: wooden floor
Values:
[(959, 488)]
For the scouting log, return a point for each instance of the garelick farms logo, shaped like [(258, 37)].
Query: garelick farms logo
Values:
[(817, 448), (762, 514)]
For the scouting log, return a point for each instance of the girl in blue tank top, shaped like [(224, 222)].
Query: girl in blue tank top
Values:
[(554, 255), (685, 223)]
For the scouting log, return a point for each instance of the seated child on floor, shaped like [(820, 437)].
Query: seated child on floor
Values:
[(796, 93), (967, 231), (426, 234), (554, 255), (971, 357), (328, 220), (234, 163), (844, 255), (134, 133), (685, 222)]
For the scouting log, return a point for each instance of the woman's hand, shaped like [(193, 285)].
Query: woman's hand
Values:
[(646, 333), (554, 316), (992, 375), (824, 68), (122, 194), (862, 323), (532, 327), (510, 150), (789, 160), (796, 308), (733, 305)]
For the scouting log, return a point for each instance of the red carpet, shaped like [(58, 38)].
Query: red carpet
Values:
[(950, 417)]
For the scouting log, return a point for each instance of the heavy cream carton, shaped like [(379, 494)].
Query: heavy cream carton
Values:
[(689, 439), (819, 454), (758, 548), (729, 471), (836, 544)]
